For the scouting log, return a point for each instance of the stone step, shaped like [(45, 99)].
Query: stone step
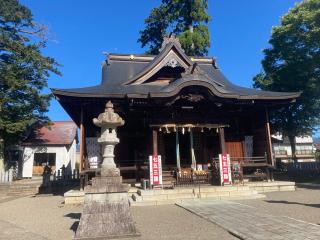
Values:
[(154, 203), (20, 194), (77, 197), (24, 186), (279, 186), (4, 188), (167, 196), (19, 188), (202, 189), (227, 194), (178, 201), (166, 174), (28, 181)]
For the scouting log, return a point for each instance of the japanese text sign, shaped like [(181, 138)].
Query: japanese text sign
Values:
[(225, 170), (155, 170)]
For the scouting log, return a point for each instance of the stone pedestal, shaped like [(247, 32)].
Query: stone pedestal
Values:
[(106, 212)]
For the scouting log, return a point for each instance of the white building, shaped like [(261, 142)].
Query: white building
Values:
[(305, 150), (54, 145)]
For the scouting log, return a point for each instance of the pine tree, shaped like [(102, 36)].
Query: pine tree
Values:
[(187, 19), (23, 72)]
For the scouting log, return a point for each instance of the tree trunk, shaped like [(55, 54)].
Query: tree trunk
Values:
[(292, 140), (191, 30)]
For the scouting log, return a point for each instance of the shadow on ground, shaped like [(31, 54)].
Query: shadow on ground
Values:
[(75, 216), (311, 186), (297, 203)]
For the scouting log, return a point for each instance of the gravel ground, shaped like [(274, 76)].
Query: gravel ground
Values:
[(49, 218), (303, 204), (46, 216)]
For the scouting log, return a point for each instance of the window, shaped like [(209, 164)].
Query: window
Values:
[(41, 159)]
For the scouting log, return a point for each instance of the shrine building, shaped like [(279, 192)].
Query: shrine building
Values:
[(179, 107)]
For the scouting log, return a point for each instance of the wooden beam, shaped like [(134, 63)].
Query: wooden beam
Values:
[(81, 141), (269, 143), (222, 141), (154, 142)]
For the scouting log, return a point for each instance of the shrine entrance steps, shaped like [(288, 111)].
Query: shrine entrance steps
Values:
[(139, 197), (19, 188), (179, 194), (274, 186)]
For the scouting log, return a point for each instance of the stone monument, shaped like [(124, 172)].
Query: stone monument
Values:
[(106, 212), (45, 187)]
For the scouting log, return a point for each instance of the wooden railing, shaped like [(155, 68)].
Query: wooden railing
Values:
[(240, 166), (304, 152), (281, 152), (189, 177)]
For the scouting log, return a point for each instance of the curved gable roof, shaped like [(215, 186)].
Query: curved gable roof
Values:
[(124, 75)]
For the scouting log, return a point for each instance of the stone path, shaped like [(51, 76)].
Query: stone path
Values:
[(248, 222), (13, 232)]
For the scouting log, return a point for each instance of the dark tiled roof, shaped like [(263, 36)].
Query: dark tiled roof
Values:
[(121, 70), (59, 133)]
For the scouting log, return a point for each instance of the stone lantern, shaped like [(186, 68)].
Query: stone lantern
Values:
[(106, 212), (108, 122)]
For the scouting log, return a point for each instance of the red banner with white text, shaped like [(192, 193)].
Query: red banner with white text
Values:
[(155, 170), (225, 169)]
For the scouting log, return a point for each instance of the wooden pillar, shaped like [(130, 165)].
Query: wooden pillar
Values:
[(81, 141), (222, 141), (178, 150), (268, 133), (193, 157), (154, 142)]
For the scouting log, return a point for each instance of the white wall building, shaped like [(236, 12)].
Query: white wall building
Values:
[(54, 145), (305, 150)]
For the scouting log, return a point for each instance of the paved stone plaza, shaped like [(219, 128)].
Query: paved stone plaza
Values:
[(46, 217), (247, 222)]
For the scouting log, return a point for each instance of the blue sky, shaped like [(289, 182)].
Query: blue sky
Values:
[(81, 30)]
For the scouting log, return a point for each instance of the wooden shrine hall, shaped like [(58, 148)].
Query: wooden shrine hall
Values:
[(177, 106)]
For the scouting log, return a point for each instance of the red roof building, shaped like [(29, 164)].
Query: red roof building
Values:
[(53, 145), (59, 133)]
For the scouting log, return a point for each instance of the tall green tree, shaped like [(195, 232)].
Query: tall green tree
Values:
[(188, 19), (292, 63), (23, 72)]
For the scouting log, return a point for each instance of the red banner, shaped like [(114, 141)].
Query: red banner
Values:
[(225, 170), (155, 170)]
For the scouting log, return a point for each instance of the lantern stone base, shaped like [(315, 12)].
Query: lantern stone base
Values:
[(106, 212)]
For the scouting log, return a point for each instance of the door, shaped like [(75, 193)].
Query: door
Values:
[(235, 149), (41, 159)]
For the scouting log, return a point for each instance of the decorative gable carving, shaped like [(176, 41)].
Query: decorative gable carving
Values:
[(171, 55), (171, 59), (172, 63), (170, 39)]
